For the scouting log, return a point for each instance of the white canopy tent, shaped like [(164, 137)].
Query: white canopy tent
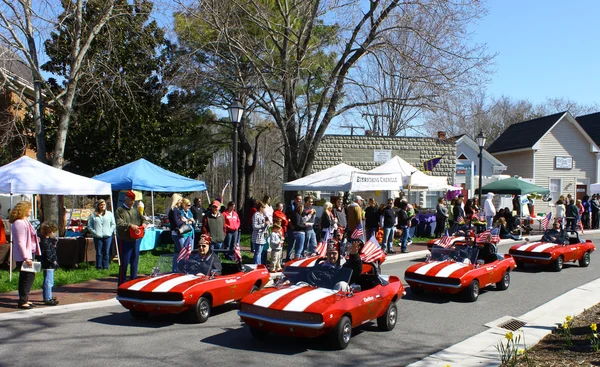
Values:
[(411, 176), (594, 188), (28, 176), (336, 178)]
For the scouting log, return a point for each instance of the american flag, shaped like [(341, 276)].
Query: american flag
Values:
[(491, 235), (546, 221), (372, 251), (445, 241), (460, 219), (185, 253), (322, 247), (358, 232), (237, 253)]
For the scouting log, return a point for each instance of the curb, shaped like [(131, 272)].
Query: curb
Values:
[(56, 310)]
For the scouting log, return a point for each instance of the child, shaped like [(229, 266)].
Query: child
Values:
[(49, 263), (276, 248)]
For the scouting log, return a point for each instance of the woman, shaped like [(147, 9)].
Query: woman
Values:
[(299, 234), (505, 231), (469, 212), (441, 215), (580, 211), (177, 219), (560, 211), (260, 225), (25, 246), (328, 222), (101, 225), (268, 208)]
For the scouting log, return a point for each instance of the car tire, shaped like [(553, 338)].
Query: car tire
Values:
[(520, 264), (201, 312), (259, 334), (341, 334), (417, 290), (139, 315), (387, 321), (504, 283), (584, 262), (472, 292), (557, 265)]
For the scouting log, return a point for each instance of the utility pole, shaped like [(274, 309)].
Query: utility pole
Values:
[(351, 127)]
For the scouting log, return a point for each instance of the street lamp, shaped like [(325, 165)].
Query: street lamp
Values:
[(481, 143), (236, 110)]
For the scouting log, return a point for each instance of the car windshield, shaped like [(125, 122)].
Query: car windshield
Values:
[(456, 253), (554, 236), (320, 276)]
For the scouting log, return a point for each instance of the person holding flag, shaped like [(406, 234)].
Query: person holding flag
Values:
[(204, 263), (329, 268)]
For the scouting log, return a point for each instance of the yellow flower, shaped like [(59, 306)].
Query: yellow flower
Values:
[(521, 351), (568, 318), (593, 327), (565, 325), (508, 336)]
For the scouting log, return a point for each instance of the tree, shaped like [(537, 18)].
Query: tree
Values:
[(299, 60)]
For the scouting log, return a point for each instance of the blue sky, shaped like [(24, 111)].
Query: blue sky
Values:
[(546, 49)]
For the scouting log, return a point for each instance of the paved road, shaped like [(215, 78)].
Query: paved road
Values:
[(100, 337)]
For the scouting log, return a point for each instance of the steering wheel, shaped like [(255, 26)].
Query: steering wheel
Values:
[(302, 284)]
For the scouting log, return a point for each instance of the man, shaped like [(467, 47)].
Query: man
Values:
[(372, 218), (231, 221), (214, 226), (403, 222), (204, 263), (553, 235), (339, 213), (595, 210), (309, 215), (128, 219), (354, 215), (197, 212), (572, 214), (489, 210), (388, 223), (412, 222), (331, 265)]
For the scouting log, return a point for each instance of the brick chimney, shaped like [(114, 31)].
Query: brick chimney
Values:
[(441, 135)]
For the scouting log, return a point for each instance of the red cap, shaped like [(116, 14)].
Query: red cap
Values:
[(216, 203), (130, 194)]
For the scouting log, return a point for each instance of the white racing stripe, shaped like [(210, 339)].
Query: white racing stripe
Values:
[(303, 301), (297, 263), (312, 263), (172, 283), (270, 298), (445, 272), (543, 247), (523, 247), (139, 285), (425, 268)]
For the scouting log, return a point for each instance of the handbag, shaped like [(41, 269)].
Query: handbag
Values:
[(35, 267), (136, 234), (184, 229)]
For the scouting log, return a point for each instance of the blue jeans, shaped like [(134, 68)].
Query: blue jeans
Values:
[(297, 244), (403, 237), (216, 245), (102, 252), (310, 241), (371, 231), (388, 238), (411, 233), (258, 255), (48, 284), (130, 255), (488, 221), (179, 241), (231, 239)]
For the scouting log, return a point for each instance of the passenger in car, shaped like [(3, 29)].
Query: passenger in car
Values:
[(205, 262), (554, 235), (333, 261)]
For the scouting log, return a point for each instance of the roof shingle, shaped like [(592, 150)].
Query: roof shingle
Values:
[(591, 124)]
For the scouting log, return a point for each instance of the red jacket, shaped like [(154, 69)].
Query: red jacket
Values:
[(284, 220), (232, 221)]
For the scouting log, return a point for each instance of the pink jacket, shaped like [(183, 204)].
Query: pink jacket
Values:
[(25, 240), (232, 221)]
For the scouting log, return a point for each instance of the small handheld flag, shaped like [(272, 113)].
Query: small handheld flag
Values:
[(358, 232), (185, 253)]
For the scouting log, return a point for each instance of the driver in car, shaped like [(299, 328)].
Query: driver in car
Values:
[(329, 267), (553, 235), (205, 262)]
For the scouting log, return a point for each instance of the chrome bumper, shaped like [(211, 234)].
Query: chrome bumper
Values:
[(307, 325), (532, 257), (409, 279), (149, 302)]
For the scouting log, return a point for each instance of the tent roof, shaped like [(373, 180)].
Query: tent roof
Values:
[(146, 176), (513, 186), (28, 176), (336, 178), (418, 179)]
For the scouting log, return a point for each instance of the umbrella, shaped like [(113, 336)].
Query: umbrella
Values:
[(513, 186)]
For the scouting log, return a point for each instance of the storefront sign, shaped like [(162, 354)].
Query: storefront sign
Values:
[(381, 156), (562, 162), (363, 181)]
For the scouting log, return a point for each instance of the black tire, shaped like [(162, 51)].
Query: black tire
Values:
[(472, 292), (520, 264), (340, 336), (584, 262), (504, 283), (557, 265), (387, 321), (259, 334), (139, 315), (201, 311), (417, 290)]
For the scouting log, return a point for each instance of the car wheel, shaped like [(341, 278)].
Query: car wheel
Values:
[(557, 265), (472, 293), (585, 260), (340, 335), (417, 290), (504, 283), (138, 315), (259, 334), (201, 312), (520, 264), (387, 321)]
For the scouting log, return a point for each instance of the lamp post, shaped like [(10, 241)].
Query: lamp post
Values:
[(481, 143), (236, 110)]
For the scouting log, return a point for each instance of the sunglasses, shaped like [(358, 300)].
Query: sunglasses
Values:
[(203, 246)]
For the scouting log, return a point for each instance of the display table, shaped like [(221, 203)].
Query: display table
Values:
[(151, 239), (71, 251)]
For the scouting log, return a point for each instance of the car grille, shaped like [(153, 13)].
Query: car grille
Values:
[(281, 315), (149, 296), (440, 280), (540, 255)]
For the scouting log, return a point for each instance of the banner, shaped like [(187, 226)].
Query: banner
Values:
[(364, 181)]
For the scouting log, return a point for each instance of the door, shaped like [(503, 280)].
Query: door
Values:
[(580, 192)]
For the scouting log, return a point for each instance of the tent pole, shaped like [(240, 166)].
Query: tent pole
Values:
[(152, 200), (115, 234), (11, 239)]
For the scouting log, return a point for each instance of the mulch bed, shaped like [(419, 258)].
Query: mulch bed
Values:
[(552, 351)]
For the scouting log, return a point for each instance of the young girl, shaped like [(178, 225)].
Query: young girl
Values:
[(276, 241), (49, 263)]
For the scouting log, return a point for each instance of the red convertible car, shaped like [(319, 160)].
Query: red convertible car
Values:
[(306, 303), (175, 293), (554, 251), (465, 269)]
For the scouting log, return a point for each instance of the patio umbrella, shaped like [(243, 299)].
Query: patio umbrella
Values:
[(513, 186)]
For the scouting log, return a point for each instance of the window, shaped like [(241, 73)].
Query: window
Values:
[(555, 185), (430, 197)]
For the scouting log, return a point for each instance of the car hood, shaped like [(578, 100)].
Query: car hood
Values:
[(174, 282), (537, 246), (294, 298), (440, 269)]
